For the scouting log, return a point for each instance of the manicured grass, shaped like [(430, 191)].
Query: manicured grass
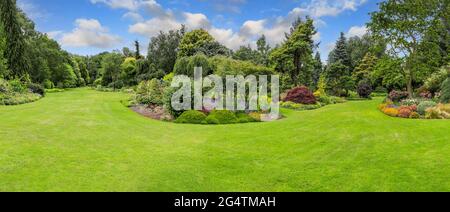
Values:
[(84, 140)]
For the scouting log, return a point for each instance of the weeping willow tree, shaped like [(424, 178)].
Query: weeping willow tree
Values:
[(14, 52)]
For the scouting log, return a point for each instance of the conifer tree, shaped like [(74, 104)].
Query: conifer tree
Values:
[(15, 42)]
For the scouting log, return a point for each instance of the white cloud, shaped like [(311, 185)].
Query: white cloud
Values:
[(321, 8), (196, 21), (119, 4), (229, 38), (357, 31), (252, 28), (153, 26), (89, 33), (133, 16), (274, 28)]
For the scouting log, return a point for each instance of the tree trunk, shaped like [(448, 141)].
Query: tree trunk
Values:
[(297, 69), (409, 86)]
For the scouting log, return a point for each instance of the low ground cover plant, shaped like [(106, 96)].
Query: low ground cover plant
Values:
[(15, 92)]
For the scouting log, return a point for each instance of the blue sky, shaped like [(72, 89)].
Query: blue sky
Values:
[(91, 26)]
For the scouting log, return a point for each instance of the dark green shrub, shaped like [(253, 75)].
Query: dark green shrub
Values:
[(423, 106), (364, 89), (381, 90), (167, 100), (17, 86), (186, 65), (36, 88), (191, 117), (224, 116), (181, 65), (325, 100), (116, 85), (445, 91), (199, 60), (48, 84)]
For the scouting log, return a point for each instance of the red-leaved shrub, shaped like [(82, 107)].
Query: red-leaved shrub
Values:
[(301, 95)]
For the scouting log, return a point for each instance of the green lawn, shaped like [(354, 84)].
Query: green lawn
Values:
[(84, 140)]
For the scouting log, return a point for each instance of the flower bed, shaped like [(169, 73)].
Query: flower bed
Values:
[(152, 99), (415, 109)]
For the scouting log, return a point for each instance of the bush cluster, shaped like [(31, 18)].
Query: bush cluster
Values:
[(37, 88), (406, 111), (15, 92), (224, 116), (398, 96), (440, 111), (150, 92), (217, 117), (423, 106), (18, 98)]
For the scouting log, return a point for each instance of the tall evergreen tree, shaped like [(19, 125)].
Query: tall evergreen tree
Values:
[(340, 52), (318, 69), (339, 68), (15, 43), (294, 57), (263, 49), (138, 51), (365, 68), (245, 53)]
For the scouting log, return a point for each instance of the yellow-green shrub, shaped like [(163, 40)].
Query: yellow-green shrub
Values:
[(441, 111), (414, 115), (255, 116), (382, 106)]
